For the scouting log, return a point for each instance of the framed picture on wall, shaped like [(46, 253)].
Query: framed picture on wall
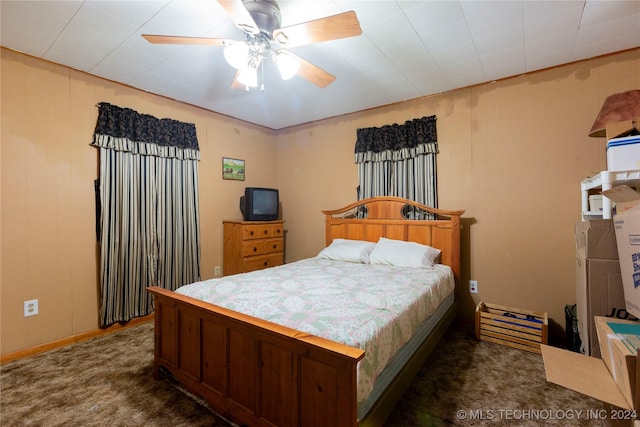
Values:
[(232, 169)]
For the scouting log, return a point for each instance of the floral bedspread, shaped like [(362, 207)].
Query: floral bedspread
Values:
[(372, 307)]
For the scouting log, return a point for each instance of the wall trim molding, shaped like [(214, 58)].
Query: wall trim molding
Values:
[(32, 351)]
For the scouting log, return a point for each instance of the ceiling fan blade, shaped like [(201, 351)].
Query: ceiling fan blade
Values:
[(159, 39), (240, 15), (313, 73), (332, 27), (235, 84)]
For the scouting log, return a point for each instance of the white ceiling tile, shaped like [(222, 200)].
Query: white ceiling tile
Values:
[(476, 7), (549, 60), (79, 48), (447, 36), (352, 47), (455, 54), (506, 15), (404, 51), (185, 18), (113, 68), (536, 10), (633, 38), (91, 19), (296, 12), (429, 16), (499, 41), (392, 30), (507, 62), (369, 62), (30, 27), (550, 47), (371, 12), (472, 66), (608, 30), (597, 48), (138, 12), (59, 9), (546, 27), (595, 12), (468, 79)]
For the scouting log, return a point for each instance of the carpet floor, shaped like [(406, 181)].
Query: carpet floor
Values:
[(108, 381)]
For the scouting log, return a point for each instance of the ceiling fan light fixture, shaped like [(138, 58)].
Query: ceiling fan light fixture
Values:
[(248, 77), (287, 65), (237, 55)]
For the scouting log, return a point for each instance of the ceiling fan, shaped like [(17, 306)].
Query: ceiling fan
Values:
[(260, 20)]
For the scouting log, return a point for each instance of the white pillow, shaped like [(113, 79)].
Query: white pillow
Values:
[(403, 254), (348, 250)]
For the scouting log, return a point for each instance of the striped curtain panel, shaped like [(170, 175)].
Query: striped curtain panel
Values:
[(399, 160), (149, 224)]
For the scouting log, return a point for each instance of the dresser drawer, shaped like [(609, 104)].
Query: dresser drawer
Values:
[(261, 231), (262, 261), (262, 246)]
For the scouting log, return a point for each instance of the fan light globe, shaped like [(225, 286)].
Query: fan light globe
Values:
[(237, 55), (287, 65), (248, 77)]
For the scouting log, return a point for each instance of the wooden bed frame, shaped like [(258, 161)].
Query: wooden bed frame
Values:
[(257, 373)]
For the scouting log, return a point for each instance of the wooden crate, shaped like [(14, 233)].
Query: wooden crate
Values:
[(513, 327)]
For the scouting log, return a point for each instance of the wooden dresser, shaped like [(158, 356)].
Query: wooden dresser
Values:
[(252, 245)]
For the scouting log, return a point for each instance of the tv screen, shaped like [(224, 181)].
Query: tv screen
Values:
[(260, 204)]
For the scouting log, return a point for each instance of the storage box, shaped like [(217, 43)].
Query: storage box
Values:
[(599, 292), (595, 203), (597, 237), (627, 226), (611, 379), (623, 153), (513, 327), (623, 128), (619, 343)]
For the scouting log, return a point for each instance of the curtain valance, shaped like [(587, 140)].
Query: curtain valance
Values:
[(124, 129), (397, 142)]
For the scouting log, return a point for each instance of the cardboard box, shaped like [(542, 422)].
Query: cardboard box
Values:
[(619, 343), (627, 227), (623, 128), (592, 376), (599, 292), (597, 237)]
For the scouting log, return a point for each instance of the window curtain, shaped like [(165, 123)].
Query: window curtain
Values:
[(399, 160), (149, 226)]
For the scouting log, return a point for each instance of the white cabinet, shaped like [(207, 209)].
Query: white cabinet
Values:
[(606, 180)]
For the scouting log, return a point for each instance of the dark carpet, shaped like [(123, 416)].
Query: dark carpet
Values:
[(108, 381)]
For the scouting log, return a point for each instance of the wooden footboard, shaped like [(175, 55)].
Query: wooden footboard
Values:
[(253, 371)]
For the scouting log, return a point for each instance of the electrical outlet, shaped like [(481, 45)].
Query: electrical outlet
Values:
[(473, 286), (30, 307), (216, 271)]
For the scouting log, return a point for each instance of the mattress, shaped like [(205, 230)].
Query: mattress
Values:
[(377, 308)]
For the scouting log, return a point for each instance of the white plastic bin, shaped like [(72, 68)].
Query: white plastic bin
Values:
[(623, 153)]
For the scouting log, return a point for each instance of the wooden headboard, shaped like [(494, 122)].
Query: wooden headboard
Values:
[(400, 219)]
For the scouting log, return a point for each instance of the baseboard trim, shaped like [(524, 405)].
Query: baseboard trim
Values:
[(74, 339)]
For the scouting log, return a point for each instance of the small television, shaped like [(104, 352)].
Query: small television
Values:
[(260, 204)]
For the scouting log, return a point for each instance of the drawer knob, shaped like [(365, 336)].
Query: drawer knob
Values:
[(274, 246), (266, 232), (265, 263), (251, 233), (255, 249)]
